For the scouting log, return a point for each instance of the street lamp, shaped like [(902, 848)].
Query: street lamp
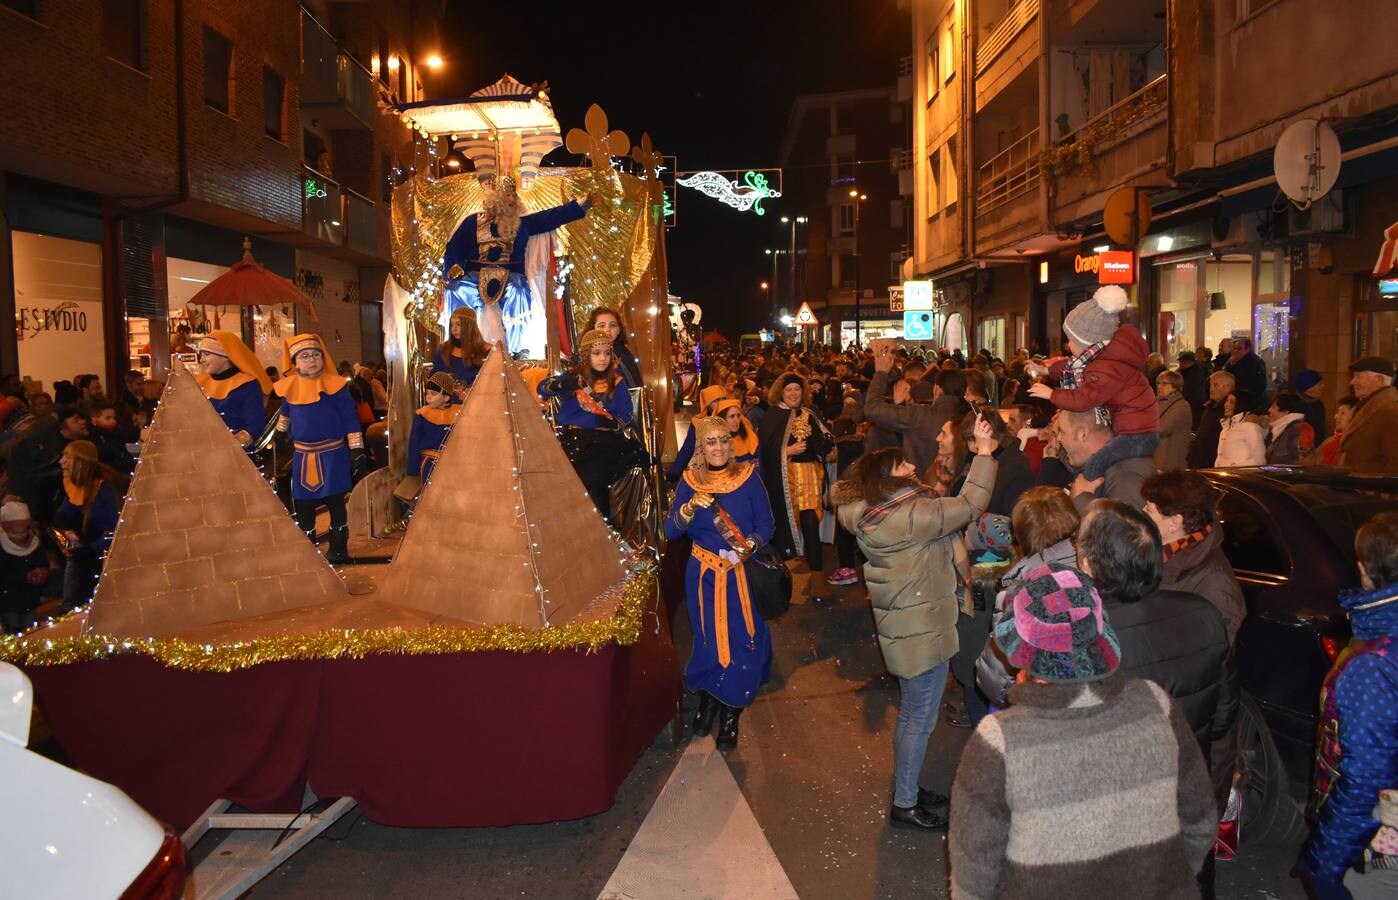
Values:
[(434, 61), (858, 305), (792, 286)]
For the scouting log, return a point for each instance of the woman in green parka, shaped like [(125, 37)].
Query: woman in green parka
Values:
[(907, 534)]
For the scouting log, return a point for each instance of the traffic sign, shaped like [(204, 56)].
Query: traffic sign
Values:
[(917, 295), (917, 325), (805, 317), (1126, 216)]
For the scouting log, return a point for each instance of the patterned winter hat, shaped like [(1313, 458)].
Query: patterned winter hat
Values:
[(990, 534), (1096, 319), (1057, 629)]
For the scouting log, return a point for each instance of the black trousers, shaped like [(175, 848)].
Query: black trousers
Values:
[(810, 536), (306, 514), (846, 548)]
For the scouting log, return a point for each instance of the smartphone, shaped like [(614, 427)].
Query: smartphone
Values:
[(977, 407)]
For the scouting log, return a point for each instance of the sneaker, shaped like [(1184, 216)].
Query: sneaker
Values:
[(843, 577)]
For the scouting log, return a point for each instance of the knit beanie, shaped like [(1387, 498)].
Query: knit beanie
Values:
[(1056, 629), (1307, 379), (1097, 319), (14, 511)]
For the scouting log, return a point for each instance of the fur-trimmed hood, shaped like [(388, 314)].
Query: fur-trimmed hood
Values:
[(847, 490)]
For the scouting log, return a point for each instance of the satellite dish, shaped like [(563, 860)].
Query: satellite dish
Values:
[(1307, 161)]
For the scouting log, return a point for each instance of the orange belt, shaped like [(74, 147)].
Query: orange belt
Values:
[(312, 475), (712, 562)]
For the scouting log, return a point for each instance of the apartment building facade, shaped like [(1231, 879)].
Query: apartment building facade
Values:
[(846, 171), (146, 140), (1043, 109)]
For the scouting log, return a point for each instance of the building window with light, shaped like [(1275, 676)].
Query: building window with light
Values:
[(123, 26), (218, 71), (844, 219), (273, 101)]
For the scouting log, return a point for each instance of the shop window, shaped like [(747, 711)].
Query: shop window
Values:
[(1227, 300), (58, 306), (122, 31), (954, 337), (218, 71), (273, 100), (990, 335), (1273, 272), (1272, 325)]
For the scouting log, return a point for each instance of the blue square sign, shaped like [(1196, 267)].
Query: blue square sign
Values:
[(917, 325)]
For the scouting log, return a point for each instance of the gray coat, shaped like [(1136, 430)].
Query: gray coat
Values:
[(910, 570), (1176, 422), (1202, 569)]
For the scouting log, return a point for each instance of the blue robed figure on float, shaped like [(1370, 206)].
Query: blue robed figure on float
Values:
[(431, 426), (484, 262), (721, 504), (235, 383)]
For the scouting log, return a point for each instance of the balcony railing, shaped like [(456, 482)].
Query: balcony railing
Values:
[(902, 159), (1148, 97), (1017, 18), (360, 228), (322, 207), (1009, 173), (905, 66), (1106, 128), (330, 77)]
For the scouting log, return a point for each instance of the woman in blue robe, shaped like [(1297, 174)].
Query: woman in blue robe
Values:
[(594, 407), (319, 415), (723, 507), (235, 383), (464, 351)]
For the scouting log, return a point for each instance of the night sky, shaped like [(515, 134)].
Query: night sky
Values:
[(711, 82)]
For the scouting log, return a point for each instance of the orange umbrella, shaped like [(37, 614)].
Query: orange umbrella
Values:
[(248, 283)]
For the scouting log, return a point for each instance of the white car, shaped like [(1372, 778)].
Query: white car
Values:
[(65, 835)]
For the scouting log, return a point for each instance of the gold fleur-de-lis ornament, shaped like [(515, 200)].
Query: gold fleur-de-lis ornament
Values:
[(596, 143)]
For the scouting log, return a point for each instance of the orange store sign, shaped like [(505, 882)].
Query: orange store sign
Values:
[(1110, 266)]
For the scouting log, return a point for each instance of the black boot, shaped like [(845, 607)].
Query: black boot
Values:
[(339, 545), (704, 718), (728, 727)]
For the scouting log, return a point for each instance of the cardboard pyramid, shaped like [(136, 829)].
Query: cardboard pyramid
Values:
[(504, 533), (202, 538)]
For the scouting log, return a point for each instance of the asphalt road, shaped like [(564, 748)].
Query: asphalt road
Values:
[(814, 763)]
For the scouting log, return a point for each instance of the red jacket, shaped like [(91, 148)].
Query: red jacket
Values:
[(1114, 379)]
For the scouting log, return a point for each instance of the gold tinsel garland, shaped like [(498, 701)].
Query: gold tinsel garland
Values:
[(622, 628), (1064, 159)]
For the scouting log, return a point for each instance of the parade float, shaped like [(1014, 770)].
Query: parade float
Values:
[(513, 659)]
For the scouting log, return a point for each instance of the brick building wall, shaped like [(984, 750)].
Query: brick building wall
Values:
[(233, 163), (75, 116)]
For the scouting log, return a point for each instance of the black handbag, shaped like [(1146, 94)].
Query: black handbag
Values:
[(769, 582), (768, 578)]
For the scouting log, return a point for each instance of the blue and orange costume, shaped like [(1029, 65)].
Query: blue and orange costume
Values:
[(239, 392), (451, 356), (431, 426), (319, 416), (485, 268), (590, 423), (732, 655)]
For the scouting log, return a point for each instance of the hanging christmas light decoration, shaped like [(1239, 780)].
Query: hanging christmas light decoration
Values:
[(743, 195)]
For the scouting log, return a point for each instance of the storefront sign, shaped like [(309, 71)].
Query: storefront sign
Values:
[(66, 317), (895, 298), (917, 295), (1110, 266)]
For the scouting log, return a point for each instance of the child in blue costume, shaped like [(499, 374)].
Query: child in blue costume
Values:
[(319, 415), (593, 408), (484, 259), (431, 425), (463, 353), (235, 383), (604, 318), (723, 507)]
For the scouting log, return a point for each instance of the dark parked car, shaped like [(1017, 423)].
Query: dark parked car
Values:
[(1289, 533)]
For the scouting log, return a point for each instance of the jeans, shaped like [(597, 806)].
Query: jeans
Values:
[(921, 697), (1121, 447)]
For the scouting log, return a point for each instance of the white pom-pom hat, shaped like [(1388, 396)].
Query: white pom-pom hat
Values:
[(1096, 319)]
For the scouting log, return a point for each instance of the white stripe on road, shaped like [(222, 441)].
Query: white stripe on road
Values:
[(699, 840)]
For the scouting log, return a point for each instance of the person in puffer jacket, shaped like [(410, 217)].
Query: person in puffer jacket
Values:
[(1357, 740)]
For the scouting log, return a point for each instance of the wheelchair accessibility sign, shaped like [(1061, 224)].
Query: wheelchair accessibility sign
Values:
[(917, 325)]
